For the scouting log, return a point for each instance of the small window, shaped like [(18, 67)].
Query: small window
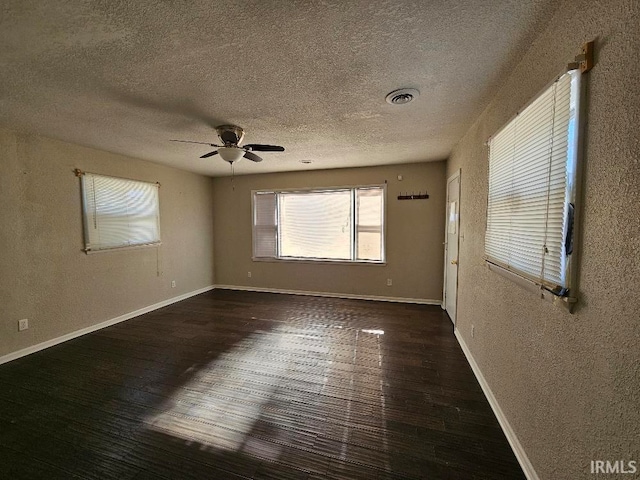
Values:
[(342, 224), (532, 176), (119, 212)]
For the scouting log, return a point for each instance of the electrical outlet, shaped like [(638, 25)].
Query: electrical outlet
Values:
[(173, 284), (389, 282), (473, 331), (23, 324), (249, 274)]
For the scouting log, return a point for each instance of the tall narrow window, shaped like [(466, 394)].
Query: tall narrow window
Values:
[(344, 224), (119, 212), (532, 172), (369, 217), (265, 238)]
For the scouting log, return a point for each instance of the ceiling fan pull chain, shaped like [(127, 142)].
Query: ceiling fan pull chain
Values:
[(233, 185)]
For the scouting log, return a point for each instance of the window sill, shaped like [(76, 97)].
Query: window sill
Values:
[(318, 261), (117, 249), (565, 302)]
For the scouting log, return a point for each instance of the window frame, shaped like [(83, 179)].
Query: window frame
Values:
[(353, 238), (88, 249), (567, 296)]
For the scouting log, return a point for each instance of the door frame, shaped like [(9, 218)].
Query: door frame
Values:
[(446, 240)]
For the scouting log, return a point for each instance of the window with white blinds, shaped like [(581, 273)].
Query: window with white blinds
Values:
[(532, 171), (369, 223), (119, 212), (265, 233), (343, 224)]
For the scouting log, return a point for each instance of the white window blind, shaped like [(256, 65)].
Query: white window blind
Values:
[(345, 224), (531, 176), (265, 240), (315, 225), (119, 212)]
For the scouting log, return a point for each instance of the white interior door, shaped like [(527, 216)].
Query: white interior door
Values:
[(450, 294)]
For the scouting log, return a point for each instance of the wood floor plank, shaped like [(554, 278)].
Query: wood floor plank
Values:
[(241, 385)]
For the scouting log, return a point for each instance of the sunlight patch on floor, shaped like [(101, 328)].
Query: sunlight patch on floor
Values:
[(220, 404), (275, 388)]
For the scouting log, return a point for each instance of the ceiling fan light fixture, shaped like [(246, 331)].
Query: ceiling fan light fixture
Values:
[(231, 154), (402, 96)]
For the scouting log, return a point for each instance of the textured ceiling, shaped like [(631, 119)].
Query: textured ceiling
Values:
[(128, 76)]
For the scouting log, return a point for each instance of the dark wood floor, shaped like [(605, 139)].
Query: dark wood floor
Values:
[(248, 385)]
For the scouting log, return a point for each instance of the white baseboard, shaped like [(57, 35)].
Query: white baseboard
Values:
[(421, 301), (99, 326), (519, 452)]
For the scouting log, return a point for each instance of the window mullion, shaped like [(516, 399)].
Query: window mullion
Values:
[(354, 222), (277, 220)]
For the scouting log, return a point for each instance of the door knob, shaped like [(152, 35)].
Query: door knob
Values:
[(454, 262)]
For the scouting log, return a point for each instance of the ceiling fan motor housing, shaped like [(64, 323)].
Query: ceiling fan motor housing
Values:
[(230, 134)]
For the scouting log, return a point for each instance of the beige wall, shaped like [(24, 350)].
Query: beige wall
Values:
[(415, 232), (568, 384), (46, 277)]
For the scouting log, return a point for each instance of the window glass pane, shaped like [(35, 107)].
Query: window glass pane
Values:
[(369, 205), (315, 224), (369, 246)]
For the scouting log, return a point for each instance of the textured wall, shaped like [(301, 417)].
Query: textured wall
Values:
[(46, 277), (415, 232), (568, 384)]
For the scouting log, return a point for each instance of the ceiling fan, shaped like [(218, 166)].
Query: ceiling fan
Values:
[(231, 136)]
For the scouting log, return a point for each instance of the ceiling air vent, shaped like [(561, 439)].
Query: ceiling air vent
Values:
[(402, 96)]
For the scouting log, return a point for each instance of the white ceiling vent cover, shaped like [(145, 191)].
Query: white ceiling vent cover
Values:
[(402, 96)]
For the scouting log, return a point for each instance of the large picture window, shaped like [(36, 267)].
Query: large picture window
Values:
[(119, 212), (532, 175), (341, 224)]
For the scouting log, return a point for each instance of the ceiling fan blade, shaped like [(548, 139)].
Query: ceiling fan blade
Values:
[(210, 154), (252, 156), (257, 147), (189, 141)]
